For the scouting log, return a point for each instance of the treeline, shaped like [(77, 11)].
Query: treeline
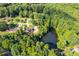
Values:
[(24, 10)]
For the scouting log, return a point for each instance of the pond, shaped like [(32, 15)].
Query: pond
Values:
[(50, 39), (5, 52)]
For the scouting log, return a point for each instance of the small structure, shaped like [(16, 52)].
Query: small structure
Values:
[(35, 29), (29, 30), (32, 30), (76, 48)]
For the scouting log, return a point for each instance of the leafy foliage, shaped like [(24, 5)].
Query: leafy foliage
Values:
[(48, 18)]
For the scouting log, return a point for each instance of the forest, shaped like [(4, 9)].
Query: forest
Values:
[(36, 29)]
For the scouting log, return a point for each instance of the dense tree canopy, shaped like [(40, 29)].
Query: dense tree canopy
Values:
[(59, 18)]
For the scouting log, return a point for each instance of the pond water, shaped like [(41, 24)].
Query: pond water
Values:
[(50, 39), (5, 52)]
